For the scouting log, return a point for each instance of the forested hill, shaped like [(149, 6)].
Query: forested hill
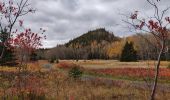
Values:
[(98, 35)]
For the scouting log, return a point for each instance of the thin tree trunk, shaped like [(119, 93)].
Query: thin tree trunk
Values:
[(2, 53), (157, 72)]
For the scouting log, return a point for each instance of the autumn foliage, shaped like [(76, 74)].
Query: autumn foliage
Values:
[(27, 40), (134, 72)]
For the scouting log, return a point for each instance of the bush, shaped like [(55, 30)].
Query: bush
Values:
[(168, 66), (33, 96), (52, 60), (57, 61), (75, 72)]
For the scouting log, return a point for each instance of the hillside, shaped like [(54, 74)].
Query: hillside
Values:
[(98, 35)]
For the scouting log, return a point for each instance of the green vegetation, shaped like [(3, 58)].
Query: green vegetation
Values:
[(33, 56), (168, 66), (128, 53), (75, 72), (52, 60), (98, 35), (9, 58), (57, 61)]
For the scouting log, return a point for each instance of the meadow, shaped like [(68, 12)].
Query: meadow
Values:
[(101, 80)]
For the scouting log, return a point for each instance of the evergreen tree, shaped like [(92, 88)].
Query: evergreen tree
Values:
[(128, 53), (33, 56), (8, 58), (166, 55)]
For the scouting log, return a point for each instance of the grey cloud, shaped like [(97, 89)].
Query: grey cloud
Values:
[(70, 5), (67, 19)]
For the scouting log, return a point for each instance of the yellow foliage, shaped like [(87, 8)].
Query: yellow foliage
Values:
[(114, 50)]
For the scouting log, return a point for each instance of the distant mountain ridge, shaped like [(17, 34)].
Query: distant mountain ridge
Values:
[(98, 35)]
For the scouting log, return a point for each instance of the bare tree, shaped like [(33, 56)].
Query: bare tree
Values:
[(157, 26)]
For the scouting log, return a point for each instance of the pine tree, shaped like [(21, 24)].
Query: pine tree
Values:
[(128, 53), (33, 56), (8, 58), (166, 55)]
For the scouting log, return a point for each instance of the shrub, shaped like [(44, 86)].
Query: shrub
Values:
[(75, 72), (168, 66), (57, 61), (52, 60), (33, 96)]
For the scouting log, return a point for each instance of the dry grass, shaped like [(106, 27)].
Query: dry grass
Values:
[(58, 86), (102, 64), (61, 87)]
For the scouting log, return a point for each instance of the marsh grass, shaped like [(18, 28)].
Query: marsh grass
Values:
[(57, 85)]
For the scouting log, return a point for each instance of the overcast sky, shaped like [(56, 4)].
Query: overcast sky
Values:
[(67, 19)]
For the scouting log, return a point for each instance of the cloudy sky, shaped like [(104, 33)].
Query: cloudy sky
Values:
[(67, 19)]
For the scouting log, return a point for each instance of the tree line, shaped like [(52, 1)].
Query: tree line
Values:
[(140, 46)]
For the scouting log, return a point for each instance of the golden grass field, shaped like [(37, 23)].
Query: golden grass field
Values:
[(102, 64), (95, 64)]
